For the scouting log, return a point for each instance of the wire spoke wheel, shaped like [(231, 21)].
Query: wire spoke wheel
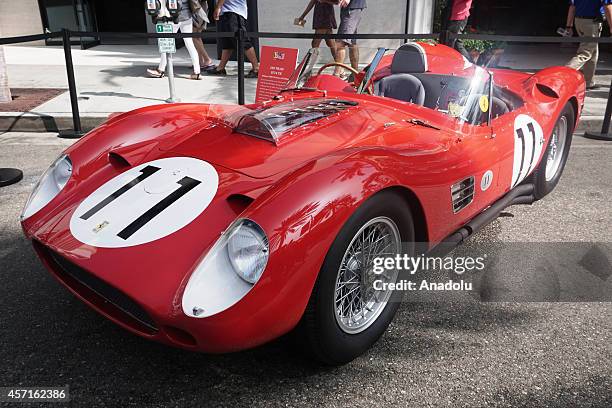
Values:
[(357, 304), (557, 147)]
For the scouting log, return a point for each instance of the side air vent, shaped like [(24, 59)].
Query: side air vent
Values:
[(118, 160), (462, 194), (239, 202), (546, 90)]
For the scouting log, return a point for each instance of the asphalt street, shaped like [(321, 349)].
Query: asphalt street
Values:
[(454, 351)]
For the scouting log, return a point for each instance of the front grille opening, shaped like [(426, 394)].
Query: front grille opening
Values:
[(107, 298)]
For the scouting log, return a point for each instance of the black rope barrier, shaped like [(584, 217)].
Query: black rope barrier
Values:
[(529, 38), (342, 36), (29, 38), (115, 35), (240, 36)]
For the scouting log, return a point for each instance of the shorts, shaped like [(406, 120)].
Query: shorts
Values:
[(232, 22), (323, 17), (349, 21)]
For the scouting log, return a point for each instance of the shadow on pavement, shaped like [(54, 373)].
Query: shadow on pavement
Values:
[(121, 95), (51, 338), (595, 392)]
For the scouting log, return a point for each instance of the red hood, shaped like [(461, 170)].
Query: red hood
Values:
[(207, 132)]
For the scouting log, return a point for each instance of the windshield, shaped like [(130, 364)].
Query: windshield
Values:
[(425, 75)]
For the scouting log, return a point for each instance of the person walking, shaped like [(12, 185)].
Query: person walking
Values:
[(457, 21), (350, 17), (200, 22), (323, 21), (232, 16), (184, 25), (587, 17)]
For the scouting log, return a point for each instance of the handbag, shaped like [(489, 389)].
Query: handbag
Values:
[(199, 14)]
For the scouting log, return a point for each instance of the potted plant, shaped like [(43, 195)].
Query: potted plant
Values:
[(475, 48)]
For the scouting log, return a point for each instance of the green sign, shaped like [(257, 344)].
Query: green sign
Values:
[(165, 45)]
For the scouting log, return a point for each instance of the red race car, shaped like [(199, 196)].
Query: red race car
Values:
[(218, 228)]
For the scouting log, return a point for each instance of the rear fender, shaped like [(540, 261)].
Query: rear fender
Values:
[(557, 85)]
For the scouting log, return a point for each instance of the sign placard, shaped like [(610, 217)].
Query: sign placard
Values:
[(276, 66), (165, 45)]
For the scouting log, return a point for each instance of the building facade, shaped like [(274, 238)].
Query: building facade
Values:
[(34, 16), (514, 17)]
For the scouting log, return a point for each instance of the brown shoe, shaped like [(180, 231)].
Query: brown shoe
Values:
[(155, 73)]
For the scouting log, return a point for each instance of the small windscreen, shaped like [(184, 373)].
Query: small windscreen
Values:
[(272, 122)]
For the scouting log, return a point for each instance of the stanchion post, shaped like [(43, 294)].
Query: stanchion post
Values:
[(77, 131), (170, 68), (240, 58), (605, 128)]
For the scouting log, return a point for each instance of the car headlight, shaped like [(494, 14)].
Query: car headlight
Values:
[(247, 249), (50, 184), (229, 270)]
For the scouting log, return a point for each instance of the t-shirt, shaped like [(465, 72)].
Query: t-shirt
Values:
[(589, 8), (460, 10), (235, 6), (357, 4), (184, 10)]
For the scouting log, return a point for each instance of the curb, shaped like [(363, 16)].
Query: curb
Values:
[(31, 122)]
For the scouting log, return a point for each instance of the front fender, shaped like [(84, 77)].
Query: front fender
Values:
[(302, 215)]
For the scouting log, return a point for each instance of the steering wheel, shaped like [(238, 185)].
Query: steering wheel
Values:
[(369, 90)]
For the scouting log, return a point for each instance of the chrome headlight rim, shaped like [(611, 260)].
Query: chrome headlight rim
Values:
[(53, 180), (215, 285), (260, 236)]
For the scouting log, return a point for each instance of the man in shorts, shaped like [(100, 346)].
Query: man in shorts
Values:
[(232, 16), (350, 16)]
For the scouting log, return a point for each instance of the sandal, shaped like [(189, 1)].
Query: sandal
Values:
[(155, 73), (195, 77), (209, 67), (252, 74), (215, 72)]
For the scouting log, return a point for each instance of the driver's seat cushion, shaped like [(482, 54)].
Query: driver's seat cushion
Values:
[(405, 87)]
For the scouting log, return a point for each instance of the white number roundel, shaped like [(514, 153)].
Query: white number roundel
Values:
[(146, 203), (528, 144)]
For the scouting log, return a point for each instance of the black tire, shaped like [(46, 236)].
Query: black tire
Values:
[(542, 187), (319, 332)]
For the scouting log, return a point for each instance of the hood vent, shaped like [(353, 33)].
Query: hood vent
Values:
[(462, 194)]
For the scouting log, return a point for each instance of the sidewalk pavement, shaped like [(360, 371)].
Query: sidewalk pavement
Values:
[(111, 78)]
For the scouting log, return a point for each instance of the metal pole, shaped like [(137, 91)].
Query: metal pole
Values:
[(407, 25), (605, 128), (240, 57), (77, 131), (170, 67)]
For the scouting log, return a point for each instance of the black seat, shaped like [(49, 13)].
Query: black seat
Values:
[(404, 87), (401, 84)]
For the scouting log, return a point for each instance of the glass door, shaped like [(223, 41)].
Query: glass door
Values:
[(75, 15)]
